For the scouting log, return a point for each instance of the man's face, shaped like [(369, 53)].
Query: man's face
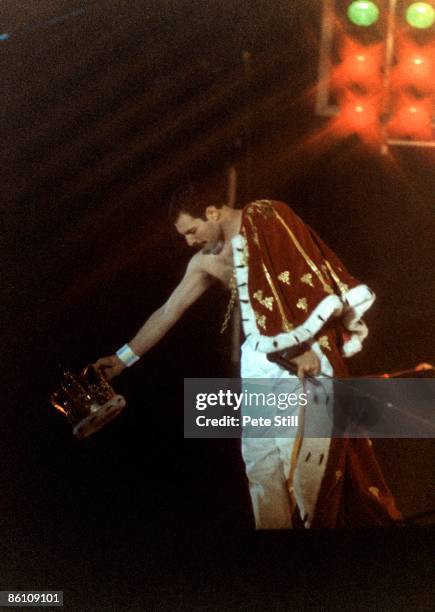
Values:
[(200, 233)]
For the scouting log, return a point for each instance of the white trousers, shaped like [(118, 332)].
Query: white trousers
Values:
[(268, 459)]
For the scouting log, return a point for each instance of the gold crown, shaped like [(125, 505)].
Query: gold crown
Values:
[(87, 400)]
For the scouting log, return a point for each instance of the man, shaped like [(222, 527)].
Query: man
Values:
[(295, 296)]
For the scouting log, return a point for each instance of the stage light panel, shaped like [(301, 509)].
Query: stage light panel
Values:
[(378, 80)]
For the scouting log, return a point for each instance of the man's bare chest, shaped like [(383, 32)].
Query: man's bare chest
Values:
[(220, 266)]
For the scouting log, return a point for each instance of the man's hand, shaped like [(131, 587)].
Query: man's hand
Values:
[(109, 366), (307, 363)]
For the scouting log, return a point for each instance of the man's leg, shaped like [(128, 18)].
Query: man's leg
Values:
[(270, 498), (267, 459)]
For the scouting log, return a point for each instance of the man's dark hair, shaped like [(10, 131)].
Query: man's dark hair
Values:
[(193, 199)]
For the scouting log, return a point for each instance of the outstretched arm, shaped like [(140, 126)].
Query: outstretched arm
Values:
[(192, 286)]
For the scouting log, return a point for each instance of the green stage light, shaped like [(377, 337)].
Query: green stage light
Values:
[(363, 13), (420, 15)]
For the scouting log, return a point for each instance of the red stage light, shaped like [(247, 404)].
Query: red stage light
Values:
[(415, 66), (360, 66), (414, 118), (416, 69), (358, 115)]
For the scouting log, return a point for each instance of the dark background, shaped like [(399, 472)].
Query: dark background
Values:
[(106, 107)]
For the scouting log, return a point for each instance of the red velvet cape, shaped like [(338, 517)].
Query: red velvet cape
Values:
[(293, 288)]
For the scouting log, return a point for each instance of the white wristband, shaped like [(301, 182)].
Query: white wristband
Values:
[(127, 356)]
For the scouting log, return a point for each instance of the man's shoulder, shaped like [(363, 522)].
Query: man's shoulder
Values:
[(199, 264), (263, 205), (267, 209), (196, 262)]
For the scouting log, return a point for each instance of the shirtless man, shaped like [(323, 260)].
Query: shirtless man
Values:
[(277, 478), (209, 228)]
